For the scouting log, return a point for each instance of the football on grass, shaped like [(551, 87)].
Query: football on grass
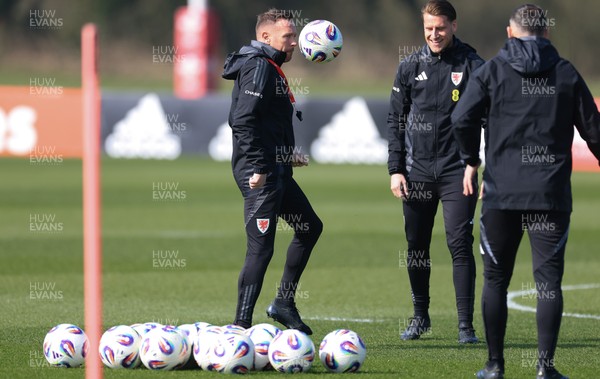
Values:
[(119, 347), (232, 353), (164, 349), (66, 345), (262, 335), (291, 351), (342, 351)]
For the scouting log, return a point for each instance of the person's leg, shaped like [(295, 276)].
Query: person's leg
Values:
[(458, 221), (261, 207), (501, 234), (300, 216), (419, 214), (548, 233)]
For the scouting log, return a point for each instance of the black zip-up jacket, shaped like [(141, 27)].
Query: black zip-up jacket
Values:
[(261, 113), (534, 98), (426, 90)]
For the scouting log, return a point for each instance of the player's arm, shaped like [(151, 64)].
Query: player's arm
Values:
[(255, 93), (587, 118), (466, 122), (400, 102)]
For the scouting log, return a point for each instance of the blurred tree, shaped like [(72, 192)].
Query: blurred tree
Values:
[(373, 30)]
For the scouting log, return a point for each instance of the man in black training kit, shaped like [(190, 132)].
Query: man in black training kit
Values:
[(425, 167), (261, 114), (531, 98)]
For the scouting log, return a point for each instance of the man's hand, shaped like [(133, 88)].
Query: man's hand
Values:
[(398, 186), (299, 160), (470, 172), (257, 180)]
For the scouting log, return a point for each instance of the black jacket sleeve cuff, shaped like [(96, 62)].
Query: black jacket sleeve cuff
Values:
[(473, 162)]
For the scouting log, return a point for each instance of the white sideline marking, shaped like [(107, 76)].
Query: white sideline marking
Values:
[(338, 319), (514, 305)]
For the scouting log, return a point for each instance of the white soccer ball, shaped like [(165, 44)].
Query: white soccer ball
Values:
[(66, 345), (205, 341), (190, 333), (232, 353), (320, 41), (234, 329), (291, 351), (342, 351), (120, 347), (262, 335), (202, 324), (164, 349), (144, 328)]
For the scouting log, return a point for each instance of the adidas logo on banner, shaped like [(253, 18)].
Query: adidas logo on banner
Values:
[(422, 76)]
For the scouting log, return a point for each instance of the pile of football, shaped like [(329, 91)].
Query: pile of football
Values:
[(227, 349)]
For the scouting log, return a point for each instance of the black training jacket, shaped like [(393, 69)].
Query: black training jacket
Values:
[(261, 113), (534, 98), (426, 90)]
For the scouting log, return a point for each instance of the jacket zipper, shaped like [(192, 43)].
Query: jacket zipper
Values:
[(435, 131)]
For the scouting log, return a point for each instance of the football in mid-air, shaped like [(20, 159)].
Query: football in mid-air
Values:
[(320, 41), (262, 335), (342, 351), (164, 349), (119, 347), (66, 345), (291, 351)]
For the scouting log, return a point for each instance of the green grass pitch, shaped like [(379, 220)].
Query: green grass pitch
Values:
[(173, 245)]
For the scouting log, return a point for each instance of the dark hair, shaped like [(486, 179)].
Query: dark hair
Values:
[(439, 8), (272, 16), (530, 19)]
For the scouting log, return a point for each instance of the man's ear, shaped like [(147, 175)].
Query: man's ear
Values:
[(509, 32), (265, 37), (454, 27)]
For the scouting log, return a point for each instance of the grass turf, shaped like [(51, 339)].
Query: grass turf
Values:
[(355, 278)]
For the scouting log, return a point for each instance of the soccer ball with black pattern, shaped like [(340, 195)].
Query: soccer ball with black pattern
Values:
[(320, 41)]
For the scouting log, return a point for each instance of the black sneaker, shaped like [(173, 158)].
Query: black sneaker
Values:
[(418, 325), (490, 371), (549, 373), (288, 315), (466, 333)]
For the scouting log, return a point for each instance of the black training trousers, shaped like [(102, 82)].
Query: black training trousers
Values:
[(501, 233), (279, 198), (420, 209)]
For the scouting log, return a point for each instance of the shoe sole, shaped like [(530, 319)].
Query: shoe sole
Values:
[(275, 316)]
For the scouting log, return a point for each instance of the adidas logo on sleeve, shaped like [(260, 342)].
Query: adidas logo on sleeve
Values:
[(422, 76)]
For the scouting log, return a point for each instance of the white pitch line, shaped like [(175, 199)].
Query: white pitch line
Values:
[(342, 319), (514, 305)]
